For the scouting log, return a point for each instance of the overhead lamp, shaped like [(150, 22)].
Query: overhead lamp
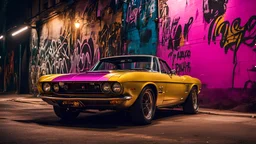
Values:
[(1, 37), (77, 24), (19, 31)]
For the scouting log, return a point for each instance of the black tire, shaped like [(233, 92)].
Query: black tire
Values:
[(191, 105), (65, 114), (139, 116)]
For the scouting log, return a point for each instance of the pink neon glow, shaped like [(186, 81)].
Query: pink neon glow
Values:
[(208, 62), (82, 77)]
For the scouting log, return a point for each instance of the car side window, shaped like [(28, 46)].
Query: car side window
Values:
[(163, 67), (155, 65), (168, 69)]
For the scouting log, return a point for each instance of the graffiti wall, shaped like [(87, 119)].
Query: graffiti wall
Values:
[(214, 40), (66, 48), (140, 26)]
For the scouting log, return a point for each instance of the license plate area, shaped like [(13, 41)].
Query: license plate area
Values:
[(72, 103)]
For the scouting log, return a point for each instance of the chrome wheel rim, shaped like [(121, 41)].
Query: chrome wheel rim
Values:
[(147, 104), (194, 99)]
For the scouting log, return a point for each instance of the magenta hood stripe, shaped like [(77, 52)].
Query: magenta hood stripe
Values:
[(82, 77)]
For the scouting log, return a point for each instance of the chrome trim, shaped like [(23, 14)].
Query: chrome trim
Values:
[(158, 62), (84, 99), (151, 64), (120, 56), (127, 97), (76, 94)]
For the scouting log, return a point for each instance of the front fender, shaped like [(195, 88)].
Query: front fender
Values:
[(134, 89)]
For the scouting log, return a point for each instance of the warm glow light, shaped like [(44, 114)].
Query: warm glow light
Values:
[(1, 37), (19, 31), (77, 24)]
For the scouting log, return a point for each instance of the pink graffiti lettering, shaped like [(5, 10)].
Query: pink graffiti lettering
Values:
[(132, 15)]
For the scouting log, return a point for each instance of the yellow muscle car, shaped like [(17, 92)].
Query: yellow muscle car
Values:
[(137, 83)]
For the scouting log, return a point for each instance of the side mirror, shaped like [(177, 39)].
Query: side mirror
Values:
[(173, 71)]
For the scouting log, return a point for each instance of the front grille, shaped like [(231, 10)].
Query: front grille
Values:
[(81, 88)]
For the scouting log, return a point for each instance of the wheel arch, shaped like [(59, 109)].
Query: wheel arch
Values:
[(196, 86), (153, 87), (188, 105), (189, 90)]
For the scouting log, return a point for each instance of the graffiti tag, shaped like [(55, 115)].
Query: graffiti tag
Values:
[(213, 9), (173, 33), (233, 34), (182, 67)]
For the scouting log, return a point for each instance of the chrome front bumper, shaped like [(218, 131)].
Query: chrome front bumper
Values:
[(85, 98), (87, 102)]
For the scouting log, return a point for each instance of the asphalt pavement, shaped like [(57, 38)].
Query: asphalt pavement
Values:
[(27, 119)]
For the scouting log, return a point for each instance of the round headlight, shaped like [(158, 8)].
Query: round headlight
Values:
[(46, 87), (56, 87), (106, 87), (116, 87)]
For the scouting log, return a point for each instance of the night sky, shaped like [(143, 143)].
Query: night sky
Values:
[(16, 12)]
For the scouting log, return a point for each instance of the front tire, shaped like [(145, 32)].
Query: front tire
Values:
[(64, 113), (143, 110), (191, 104)]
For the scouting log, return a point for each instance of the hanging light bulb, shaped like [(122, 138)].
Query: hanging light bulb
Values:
[(77, 24)]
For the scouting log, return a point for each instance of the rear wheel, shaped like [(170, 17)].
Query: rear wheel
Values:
[(143, 110), (64, 113), (191, 104)]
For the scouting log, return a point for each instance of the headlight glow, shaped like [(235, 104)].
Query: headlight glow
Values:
[(116, 87), (46, 87)]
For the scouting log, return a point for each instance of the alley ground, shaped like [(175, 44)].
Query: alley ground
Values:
[(31, 121)]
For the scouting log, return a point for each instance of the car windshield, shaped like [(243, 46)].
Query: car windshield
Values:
[(124, 63)]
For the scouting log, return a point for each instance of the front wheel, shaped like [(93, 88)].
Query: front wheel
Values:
[(64, 113), (191, 104), (143, 110)]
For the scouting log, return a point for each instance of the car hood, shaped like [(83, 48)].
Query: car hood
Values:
[(87, 76)]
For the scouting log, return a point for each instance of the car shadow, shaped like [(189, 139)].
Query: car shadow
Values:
[(109, 120)]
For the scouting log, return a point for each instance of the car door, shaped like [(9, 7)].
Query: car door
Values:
[(159, 80), (176, 88)]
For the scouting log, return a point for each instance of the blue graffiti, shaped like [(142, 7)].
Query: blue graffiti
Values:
[(140, 26)]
